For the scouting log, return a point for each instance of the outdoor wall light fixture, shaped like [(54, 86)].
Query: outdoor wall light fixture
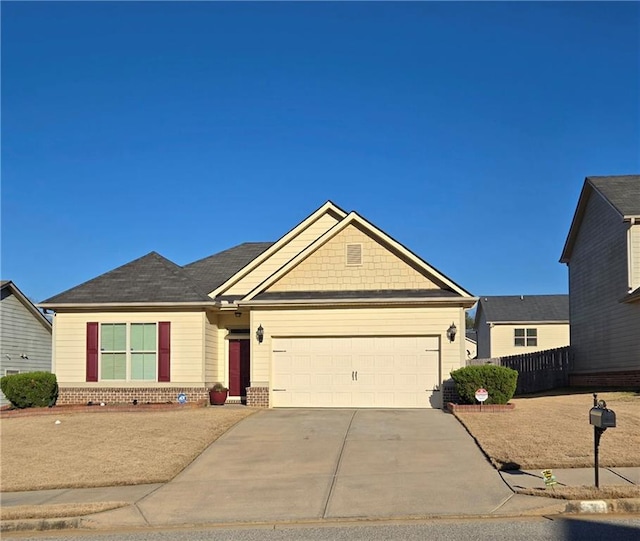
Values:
[(237, 314), (451, 332), (260, 334)]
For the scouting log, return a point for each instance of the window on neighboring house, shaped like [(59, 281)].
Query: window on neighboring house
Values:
[(525, 337), (11, 372), (128, 351)]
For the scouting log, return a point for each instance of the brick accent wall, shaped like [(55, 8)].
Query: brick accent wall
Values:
[(115, 395), (449, 393), (630, 378), (258, 397)]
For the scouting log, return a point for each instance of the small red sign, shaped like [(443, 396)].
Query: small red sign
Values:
[(481, 395)]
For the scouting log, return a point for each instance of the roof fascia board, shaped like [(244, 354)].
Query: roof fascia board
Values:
[(286, 238), (125, 306), (354, 217), (455, 301), (533, 322), (28, 304)]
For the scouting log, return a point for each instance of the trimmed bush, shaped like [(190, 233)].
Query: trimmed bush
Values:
[(499, 381), (31, 389)]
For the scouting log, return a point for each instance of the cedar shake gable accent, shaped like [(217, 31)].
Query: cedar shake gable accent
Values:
[(621, 192), (211, 272), (149, 279), (525, 308)]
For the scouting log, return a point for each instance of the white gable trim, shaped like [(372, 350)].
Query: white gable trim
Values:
[(311, 219), (354, 218)]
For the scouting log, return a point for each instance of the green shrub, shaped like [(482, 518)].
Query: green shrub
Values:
[(499, 381), (31, 389)]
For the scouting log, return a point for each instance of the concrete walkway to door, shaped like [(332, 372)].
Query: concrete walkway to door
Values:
[(304, 464)]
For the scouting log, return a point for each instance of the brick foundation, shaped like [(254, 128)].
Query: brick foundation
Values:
[(476, 408), (258, 397), (116, 395), (627, 379)]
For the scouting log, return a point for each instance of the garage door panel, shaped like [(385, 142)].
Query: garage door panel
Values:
[(384, 372)]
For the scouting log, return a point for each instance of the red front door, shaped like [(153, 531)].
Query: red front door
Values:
[(239, 378)]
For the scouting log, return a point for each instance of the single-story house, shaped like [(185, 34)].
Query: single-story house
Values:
[(516, 324), (336, 313), (602, 252), (25, 334)]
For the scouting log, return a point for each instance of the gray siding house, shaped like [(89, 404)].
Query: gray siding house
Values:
[(25, 334), (602, 252), (516, 324)]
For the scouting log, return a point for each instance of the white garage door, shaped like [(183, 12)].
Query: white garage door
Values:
[(356, 372)]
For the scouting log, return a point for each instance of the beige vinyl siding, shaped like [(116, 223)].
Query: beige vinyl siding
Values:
[(21, 333), (550, 336), (355, 322), (283, 255), (605, 333), (634, 256), (212, 339), (327, 269), (187, 346)]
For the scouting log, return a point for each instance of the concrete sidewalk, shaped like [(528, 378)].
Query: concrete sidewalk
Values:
[(310, 465)]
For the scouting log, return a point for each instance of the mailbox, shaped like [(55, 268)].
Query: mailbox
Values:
[(602, 418)]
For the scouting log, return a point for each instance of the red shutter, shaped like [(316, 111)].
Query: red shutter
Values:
[(92, 352), (164, 351)]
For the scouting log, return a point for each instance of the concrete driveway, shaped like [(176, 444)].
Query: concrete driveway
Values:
[(307, 464)]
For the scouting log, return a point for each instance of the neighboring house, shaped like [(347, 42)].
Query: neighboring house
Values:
[(471, 343), (602, 252), (516, 324), (25, 334), (334, 314)]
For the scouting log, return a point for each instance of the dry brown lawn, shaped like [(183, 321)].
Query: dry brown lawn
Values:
[(584, 492), (554, 432), (61, 510), (107, 449)]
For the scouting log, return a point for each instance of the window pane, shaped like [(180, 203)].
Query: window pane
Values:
[(106, 338), (532, 341), (143, 366), (519, 341), (143, 337), (532, 332), (113, 366), (518, 332), (114, 337)]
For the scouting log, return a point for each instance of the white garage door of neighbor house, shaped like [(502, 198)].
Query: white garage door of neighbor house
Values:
[(356, 372)]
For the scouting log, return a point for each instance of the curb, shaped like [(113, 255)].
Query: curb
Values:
[(573, 507)]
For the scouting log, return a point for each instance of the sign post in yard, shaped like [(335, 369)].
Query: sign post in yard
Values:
[(481, 396)]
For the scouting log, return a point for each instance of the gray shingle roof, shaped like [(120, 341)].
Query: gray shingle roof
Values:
[(214, 270), (525, 308), (148, 279), (623, 192), (357, 294)]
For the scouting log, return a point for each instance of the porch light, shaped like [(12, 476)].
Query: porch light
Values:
[(451, 332), (237, 314), (260, 334)]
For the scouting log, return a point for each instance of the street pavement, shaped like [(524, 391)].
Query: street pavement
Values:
[(309, 465)]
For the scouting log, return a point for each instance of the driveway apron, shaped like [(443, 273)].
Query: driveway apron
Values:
[(304, 464)]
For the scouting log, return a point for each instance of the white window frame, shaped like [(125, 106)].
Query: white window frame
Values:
[(529, 333), (128, 351), (13, 371)]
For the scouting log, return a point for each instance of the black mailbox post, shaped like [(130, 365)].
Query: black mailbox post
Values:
[(601, 418)]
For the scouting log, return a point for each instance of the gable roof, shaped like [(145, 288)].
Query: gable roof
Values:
[(622, 192), (211, 272), (147, 280), (525, 308), (354, 218), (327, 208), (8, 287)]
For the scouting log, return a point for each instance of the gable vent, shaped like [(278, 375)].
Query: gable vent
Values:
[(354, 254)]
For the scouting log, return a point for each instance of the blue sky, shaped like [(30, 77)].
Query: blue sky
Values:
[(463, 130)]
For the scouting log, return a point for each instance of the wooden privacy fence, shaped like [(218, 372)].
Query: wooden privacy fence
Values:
[(537, 371)]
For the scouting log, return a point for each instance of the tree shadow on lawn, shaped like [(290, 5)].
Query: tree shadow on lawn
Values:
[(566, 391)]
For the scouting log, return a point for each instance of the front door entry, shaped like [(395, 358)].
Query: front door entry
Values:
[(239, 376)]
